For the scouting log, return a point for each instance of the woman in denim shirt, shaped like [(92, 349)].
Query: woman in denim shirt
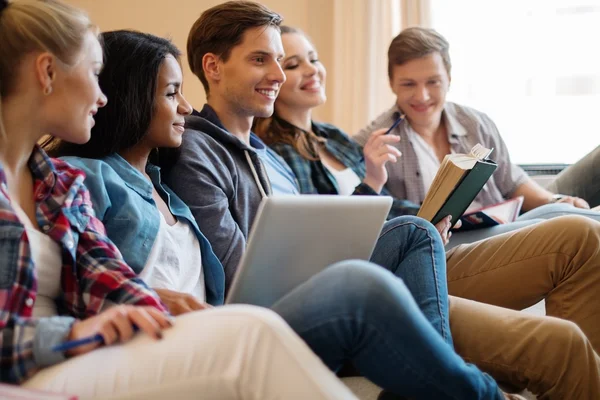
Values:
[(130, 199), (62, 279)]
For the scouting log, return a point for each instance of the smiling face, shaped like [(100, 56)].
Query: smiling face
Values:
[(304, 87), (169, 109), (76, 95), (420, 86), (248, 83)]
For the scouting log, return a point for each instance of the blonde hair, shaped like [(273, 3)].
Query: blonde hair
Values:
[(417, 42), (27, 26)]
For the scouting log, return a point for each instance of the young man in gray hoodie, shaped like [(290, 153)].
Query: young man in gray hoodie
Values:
[(222, 173)]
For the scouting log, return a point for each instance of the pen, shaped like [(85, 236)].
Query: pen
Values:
[(399, 118), (71, 344)]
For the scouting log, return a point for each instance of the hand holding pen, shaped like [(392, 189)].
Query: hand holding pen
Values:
[(377, 152), (398, 117), (116, 324)]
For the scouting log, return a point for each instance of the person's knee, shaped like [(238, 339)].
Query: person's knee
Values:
[(582, 230), (411, 229), (254, 316), (410, 220), (361, 284), (567, 338)]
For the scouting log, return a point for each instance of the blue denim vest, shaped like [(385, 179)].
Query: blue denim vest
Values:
[(122, 199)]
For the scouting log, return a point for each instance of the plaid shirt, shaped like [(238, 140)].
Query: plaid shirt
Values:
[(466, 127), (314, 178), (93, 273)]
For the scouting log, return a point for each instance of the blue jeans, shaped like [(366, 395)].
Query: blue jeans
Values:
[(359, 312), (411, 248), (548, 211)]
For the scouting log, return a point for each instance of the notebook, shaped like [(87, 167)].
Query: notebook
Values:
[(496, 214), (294, 238)]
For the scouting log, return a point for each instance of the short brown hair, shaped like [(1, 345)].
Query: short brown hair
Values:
[(417, 42), (221, 28)]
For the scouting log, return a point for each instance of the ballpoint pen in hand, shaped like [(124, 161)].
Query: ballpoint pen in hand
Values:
[(71, 344), (399, 117)]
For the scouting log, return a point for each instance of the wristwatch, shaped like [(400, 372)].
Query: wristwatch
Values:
[(556, 197)]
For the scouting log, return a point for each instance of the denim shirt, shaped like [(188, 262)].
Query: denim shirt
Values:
[(122, 199)]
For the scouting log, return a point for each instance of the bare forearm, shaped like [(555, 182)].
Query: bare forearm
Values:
[(534, 195)]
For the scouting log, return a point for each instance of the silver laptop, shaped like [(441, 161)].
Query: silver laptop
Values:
[(295, 237)]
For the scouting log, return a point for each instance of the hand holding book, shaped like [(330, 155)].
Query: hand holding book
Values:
[(458, 181)]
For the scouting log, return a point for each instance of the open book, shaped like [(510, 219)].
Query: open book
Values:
[(456, 184), (485, 217)]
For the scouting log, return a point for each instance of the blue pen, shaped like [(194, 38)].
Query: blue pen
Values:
[(399, 118), (71, 344)]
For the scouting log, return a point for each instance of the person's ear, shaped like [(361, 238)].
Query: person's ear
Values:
[(45, 71), (211, 64)]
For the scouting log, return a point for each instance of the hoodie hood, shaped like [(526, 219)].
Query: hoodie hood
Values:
[(207, 122)]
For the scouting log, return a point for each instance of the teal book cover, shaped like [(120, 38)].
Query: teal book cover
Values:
[(465, 192)]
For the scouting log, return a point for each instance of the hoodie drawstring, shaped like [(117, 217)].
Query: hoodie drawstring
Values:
[(256, 179)]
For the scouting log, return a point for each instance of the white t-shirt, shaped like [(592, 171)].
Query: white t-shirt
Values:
[(346, 179), (175, 262), (47, 259), (428, 161)]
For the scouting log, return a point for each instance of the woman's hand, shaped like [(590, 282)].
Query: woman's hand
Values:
[(180, 303), (443, 227), (378, 152), (117, 324)]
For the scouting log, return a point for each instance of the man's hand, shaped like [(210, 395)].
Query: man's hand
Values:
[(180, 303), (575, 201), (443, 227)]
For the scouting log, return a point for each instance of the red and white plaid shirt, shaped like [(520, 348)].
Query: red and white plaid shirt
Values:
[(93, 273)]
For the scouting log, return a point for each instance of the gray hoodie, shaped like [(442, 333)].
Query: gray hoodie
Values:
[(222, 180)]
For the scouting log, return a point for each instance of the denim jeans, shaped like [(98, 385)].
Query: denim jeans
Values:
[(358, 312), (411, 248), (548, 211)]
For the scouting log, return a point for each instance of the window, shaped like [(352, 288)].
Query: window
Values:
[(533, 66)]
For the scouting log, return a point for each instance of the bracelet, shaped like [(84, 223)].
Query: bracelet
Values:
[(556, 197)]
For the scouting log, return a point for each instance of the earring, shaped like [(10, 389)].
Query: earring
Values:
[(48, 90)]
